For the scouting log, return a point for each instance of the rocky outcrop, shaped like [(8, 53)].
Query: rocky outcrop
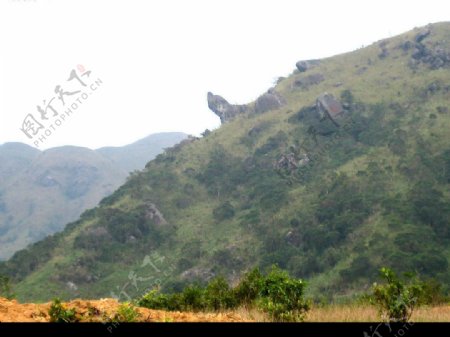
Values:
[(328, 106), (197, 273), (269, 101), (435, 55), (303, 66), (422, 35), (223, 109), (154, 214), (294, 237), (290, 162)]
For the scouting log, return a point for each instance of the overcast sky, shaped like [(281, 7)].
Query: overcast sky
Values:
[(156, 60)]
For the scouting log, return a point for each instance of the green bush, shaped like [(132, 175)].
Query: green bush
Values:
[(156, 300), (224, 211), (396, 299), (126, 313), (193, 298), (432, 293), (249, 287), (59, 314), (282, 297), (218, 295)]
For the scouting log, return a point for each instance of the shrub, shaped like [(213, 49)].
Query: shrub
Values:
[(224, 211), (397, 299), (126, 313), (193, 298), (154, 300), (347, 97), (59, 314), (282, 297), (432, 293), (249, 287), (218, 295)]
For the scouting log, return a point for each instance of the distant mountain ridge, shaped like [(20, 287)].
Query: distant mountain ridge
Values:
[(40, 191)]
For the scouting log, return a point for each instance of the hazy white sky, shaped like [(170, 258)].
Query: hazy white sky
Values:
[(158, 59)]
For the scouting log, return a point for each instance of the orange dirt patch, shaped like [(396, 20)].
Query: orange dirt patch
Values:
[(103, 310)]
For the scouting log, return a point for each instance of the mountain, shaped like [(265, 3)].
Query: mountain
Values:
[(134, 156), (339, 169), (40, 192)]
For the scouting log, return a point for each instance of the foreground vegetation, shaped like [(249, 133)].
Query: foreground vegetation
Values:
[(276, 294), (270, 297)]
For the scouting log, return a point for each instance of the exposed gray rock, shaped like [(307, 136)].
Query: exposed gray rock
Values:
[(326, 104), (269, 101), (434, 55), (99, 233), (72, 286), (420, 51), (422, 35), (406, 46), (290, 162), (223, 109), (308, 81), (294, 238), (153, 213), (303, 66), (287, 162), (197, 273)]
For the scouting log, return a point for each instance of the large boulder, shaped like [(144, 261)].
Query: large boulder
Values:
[(223, 109), (271, 100), (303, 66), (327, 105)]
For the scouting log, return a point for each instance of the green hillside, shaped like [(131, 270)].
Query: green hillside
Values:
[(330, 195)]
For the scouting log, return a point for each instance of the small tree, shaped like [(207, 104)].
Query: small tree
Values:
[(397, 299), (282, 296)]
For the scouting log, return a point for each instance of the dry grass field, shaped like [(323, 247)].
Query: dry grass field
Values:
[(12, 311), (359, 313)]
